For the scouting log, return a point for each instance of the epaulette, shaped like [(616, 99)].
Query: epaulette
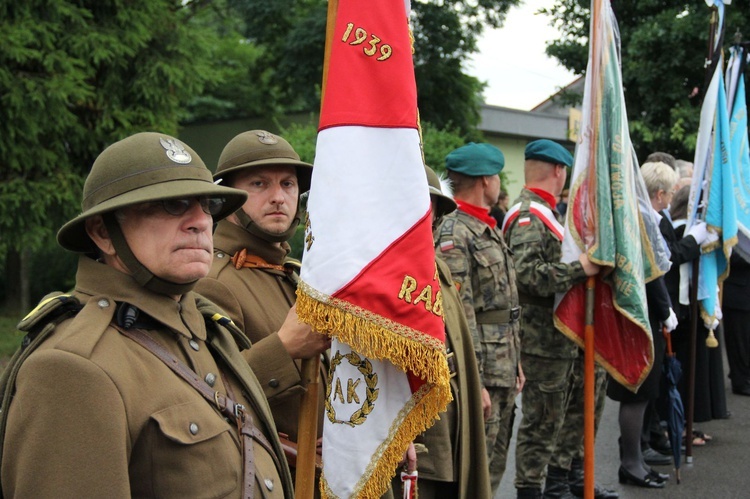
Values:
[(53, 309), (212, 314)]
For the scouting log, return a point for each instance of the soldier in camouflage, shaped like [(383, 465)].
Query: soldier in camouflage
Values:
[(534, 234), (569, 452), (469, 241)]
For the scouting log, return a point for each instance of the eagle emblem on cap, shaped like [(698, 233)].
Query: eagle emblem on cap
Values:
[(176, 151), (267, 138)]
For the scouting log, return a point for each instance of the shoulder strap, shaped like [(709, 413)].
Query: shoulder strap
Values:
[(541, 212), (236, 412), (213, 314)]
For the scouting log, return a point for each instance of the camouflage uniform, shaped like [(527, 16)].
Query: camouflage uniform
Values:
[(481, 264), (547, 355), (570, 440)]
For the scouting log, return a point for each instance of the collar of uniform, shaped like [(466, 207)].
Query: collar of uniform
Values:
[(231, 238), (547, 197), (478, 212), (94, 278), (476, 226)]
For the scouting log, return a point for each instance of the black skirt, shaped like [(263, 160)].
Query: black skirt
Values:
[(649, 389)]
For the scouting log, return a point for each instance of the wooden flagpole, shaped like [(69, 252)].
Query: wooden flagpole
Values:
[(694, 316), (308, 417), (589, 339)]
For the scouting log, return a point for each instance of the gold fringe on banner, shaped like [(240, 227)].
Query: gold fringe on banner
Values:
[(376, 337), (377, 478)]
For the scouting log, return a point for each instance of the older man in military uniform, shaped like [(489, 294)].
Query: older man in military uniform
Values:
[(133, 385), (534, 234), (252, 278), (480, 263)]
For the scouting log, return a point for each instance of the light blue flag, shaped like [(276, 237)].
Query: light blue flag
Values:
[(739, 153), (720, 212)]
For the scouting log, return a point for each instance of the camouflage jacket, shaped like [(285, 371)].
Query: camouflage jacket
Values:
[(481, 265), (536, 254)]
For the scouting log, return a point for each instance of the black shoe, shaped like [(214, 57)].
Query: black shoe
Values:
[(655, 458), (660, 443), (556, 485), (647, 481), (599, 492), (659, 476), (661, 446), (575, 480), (742, 390)]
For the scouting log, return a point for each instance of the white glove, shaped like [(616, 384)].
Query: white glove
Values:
[(671, 321), (711, 237), (699, 232)]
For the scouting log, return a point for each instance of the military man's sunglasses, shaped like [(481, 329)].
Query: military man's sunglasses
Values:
[(177, 207)]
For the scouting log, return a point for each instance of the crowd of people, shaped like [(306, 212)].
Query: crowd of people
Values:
[(172, 369)]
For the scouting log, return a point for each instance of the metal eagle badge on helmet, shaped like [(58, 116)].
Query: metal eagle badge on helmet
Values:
[(267, 138), (176, 151)]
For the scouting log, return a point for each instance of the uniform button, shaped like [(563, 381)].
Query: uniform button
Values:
[(210, 379), (193, 428), (273, 383), (220, 255), (194, 345), (103, 303), (269, 483)]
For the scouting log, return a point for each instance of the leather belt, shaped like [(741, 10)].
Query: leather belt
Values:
[(246, 430), (508, 316)]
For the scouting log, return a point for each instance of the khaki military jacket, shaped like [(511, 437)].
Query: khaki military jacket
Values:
[(97, 415), (258, 301), (456, 443), (536, 253), (481, 264)]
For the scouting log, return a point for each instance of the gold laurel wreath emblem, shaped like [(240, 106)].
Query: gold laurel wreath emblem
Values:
[(364, 366)]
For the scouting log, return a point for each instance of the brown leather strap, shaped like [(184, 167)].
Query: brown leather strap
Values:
[(235, 412), (242, 260)]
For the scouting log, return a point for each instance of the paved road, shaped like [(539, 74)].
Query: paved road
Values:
[(720, 469)]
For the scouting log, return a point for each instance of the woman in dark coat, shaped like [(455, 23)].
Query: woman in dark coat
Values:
[(660, 180), (710, 400)]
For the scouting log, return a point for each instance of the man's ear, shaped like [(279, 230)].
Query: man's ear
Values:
[(98, 233)]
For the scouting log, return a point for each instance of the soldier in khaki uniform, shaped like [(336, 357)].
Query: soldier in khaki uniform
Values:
[(480, 263), (140, 388), (534, 234), (251, 277)]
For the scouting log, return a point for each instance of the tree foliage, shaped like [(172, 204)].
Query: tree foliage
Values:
[(664, 46), (290, 35), (76, 76)]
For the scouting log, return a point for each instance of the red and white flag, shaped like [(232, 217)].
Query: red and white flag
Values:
[(368, 277)]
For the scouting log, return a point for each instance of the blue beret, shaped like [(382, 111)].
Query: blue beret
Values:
[(549, 151), (476, 160)]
